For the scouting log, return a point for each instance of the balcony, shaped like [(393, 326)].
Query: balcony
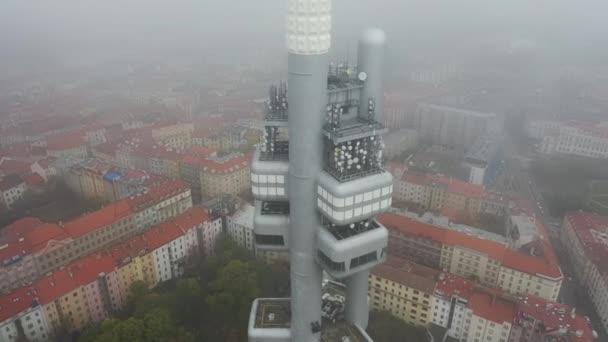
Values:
[(353, 128), (343, 253), (271, 225), (269, 178), (344, 203)]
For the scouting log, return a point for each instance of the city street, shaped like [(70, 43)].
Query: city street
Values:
[(517, 181)]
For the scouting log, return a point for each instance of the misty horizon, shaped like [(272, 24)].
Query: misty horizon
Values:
[(67, 32)]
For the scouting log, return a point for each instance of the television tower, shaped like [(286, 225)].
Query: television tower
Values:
[(318, 175)]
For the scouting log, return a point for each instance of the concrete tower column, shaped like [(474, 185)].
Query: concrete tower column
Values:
[(308, 42), (370, 60), (357, 308)]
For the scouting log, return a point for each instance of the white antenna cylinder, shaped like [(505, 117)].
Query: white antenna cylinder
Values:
[(308, 26)]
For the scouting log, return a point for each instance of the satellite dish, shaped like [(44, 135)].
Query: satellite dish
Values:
[(362, 76)]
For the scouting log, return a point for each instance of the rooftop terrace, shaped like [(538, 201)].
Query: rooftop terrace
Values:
[(274, 316)]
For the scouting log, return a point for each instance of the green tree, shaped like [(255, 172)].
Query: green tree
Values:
[(230, 298), (189, 302), (384, 327)]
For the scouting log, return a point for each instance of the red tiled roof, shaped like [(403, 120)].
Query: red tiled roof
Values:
[(408, 273), (160, 188), (453, 285), (18, 150), (97, 219), (228, 166), (492, 307), (39, 237), (592, 232), (65, 140), (556, 316), (162, 234), (197, 155), (453, 185), (13, 250), (460, 187), (46, 162), (33, 179), (8, 166), (129, 249), (87, 269), (16, 302), (55, 285), (415, 178), (159, 152), (191, 218), (510, 258), (108, 148), (22, 226)]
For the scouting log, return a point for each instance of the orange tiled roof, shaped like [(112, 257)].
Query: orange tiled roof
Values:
[(510, 258), (97, 219), (86, 270), (8, 166), (65, 140), (491, 307), (408, 273), (229, 166), (16, 302), (591, 230)]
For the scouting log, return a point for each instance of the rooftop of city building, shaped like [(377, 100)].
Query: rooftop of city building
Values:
[(408, 273), (592, 232), (544, 264)]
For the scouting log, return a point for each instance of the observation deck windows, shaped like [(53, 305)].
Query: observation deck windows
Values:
[(272, 240), (364, 259), (330, 264)]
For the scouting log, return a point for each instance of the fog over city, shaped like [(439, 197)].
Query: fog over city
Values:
[(73, 31), (304, 170)]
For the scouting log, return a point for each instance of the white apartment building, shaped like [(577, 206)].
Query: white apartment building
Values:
[(240, 227), (585, 237), (32, 321), (208, 235), (570, 137)]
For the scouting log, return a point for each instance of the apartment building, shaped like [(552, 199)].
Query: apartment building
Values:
[(463, 310), (91, 288), (585, 237), (160, 160), (97, 179), (531, 270), (227, 174), (191, 165), (405, 289), (240, 227), (70, 145), (226, 139), (174, 136), (586, 139), (488, 318), (12, 188), (451, 126), (450, 196), (51, 246)]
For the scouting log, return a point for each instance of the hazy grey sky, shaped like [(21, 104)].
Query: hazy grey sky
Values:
[(79, 28)]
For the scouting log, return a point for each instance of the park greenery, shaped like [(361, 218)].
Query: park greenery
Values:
[(212, 303), (384, 327)]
